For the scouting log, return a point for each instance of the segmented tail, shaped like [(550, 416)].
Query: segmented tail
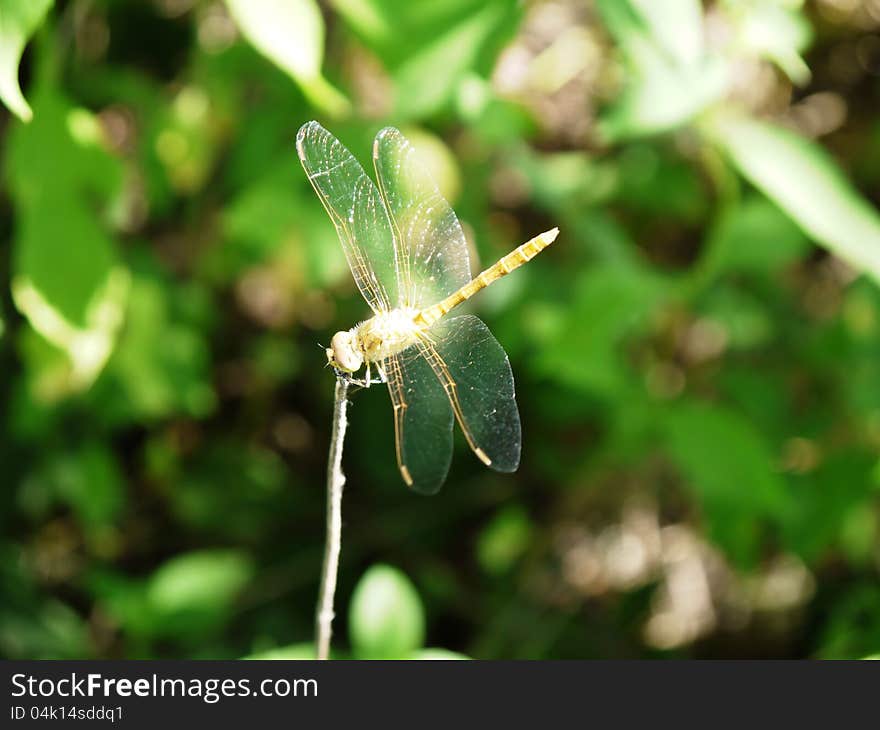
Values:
[(502, 267)]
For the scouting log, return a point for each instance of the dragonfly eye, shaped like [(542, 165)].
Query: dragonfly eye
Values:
[(343, 353)]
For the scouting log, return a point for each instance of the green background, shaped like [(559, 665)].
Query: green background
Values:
[(696, 357)]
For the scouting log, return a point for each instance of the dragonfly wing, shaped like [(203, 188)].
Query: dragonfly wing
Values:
[(355, 206), (432, 250), (475, 373), (422, 421)]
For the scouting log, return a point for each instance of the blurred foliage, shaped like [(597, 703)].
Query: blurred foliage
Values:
[(697, 357), (18, 20), (387, 621)]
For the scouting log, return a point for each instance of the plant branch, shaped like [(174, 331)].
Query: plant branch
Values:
[(335, 483)]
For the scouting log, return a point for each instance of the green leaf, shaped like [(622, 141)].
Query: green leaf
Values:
[(18, 21), (67, 278), (806, 183), (567, 177), (369, 18), (828, 498), (397, 30), (754, 237), (269, 224), (776, 32), (41, 628), (744, 317), (229, 491), (852, 630), (731, 468), (294, 651), (671, 80), (661, 97), (654, 181), (386, 618), (185, 599), (428, 49), (161, 362), (125, 600), (615, 300), (441, 654), (201, 584), (90, 480), (504, 539), (426, 81), (290, 33), (676, 26)]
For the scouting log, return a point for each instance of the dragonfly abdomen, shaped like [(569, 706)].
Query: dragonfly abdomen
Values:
[(500, 268)]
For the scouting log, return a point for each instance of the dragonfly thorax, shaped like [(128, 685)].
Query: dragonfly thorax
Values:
[(372, 341)]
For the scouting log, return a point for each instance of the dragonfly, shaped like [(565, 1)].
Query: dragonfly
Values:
[(408, 255)]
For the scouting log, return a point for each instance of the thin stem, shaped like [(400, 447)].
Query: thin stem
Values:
[(714, 252), (335, 482)]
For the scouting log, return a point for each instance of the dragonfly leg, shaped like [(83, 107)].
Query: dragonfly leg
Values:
[(346, 376), (365, 382)]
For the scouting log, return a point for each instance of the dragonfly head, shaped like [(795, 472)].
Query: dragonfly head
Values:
[(344, 353)]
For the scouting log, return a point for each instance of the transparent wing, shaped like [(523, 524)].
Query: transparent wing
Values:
[(475, 373), (356, 209), (422, 421), (432, 250)]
